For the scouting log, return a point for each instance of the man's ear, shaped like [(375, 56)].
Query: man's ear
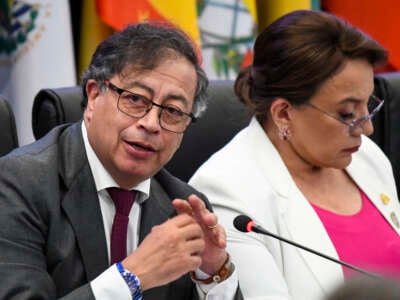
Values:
[(92, 92)]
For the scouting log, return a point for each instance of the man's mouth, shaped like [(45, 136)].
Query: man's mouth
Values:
[(142, 146)]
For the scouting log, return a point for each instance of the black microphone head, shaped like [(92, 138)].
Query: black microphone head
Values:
[(240, 223)]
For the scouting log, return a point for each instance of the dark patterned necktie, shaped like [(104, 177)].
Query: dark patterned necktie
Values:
[(123, 201)]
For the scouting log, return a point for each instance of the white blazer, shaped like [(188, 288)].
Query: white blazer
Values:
[(249, 177)]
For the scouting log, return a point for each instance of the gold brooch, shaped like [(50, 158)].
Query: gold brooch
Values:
[(385, 199)]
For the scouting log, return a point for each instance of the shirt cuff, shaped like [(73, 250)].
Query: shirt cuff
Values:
[(110, 285), (224, 290)]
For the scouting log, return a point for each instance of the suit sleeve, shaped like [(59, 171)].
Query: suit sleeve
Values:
[(24, 257), (252, 258)]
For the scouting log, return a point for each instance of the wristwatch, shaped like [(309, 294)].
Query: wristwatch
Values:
[(223, 273), (132, 281)]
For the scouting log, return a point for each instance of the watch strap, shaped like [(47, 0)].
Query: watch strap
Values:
[(223, 273), (132, 281)]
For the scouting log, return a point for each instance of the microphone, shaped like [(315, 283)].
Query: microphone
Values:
[(243, 223)]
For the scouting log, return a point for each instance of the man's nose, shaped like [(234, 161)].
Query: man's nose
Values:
[(151, 120)]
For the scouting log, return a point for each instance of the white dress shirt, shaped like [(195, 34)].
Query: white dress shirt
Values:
[(110, 285)]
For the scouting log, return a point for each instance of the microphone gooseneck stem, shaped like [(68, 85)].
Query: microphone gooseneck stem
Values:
[(257, 229)]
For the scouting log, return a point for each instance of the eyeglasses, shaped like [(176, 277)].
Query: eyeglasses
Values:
[(374, 105), (171, 118)]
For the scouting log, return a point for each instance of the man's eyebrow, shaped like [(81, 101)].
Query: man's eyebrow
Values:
[(134, 84), (139, 84), (177, 97)]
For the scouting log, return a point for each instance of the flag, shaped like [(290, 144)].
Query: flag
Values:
[(36, 51), (227, 30), (119, 13), (93, 31), (379, 19), (100, 18), (270, 10)]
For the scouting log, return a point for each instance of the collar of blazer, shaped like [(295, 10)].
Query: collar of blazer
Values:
[(298, 220), (303, 224), (296, 214), (372, 172)]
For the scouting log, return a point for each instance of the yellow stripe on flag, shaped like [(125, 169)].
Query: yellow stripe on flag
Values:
[(93, 31), (251, 7), (182, 13), (270, 10)]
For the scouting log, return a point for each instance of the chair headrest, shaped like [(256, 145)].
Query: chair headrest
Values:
[(8, 133), (224, 117), (52, 107)]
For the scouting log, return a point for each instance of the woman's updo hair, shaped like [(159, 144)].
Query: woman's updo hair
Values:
[(296, 54)]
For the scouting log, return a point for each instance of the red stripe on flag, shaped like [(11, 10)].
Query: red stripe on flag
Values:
[(119, 13)]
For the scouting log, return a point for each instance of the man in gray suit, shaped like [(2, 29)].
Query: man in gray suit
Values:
[(143, 88)]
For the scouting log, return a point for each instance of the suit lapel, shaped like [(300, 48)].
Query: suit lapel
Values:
[(155, 210), (306, 228), (81, 203), (382, 195), (158, 208), (298, 220)]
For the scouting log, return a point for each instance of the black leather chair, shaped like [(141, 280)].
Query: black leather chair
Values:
[(387, 121), (8, 135), (52, 107), (224, 117)]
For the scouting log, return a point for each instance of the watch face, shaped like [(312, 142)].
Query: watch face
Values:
[(222, 274), (216, 278)]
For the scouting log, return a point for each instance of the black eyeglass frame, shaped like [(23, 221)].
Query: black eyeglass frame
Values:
[(119, 91)]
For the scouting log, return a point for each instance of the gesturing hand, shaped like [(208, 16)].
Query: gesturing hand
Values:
[(214, 253), (170, 250)]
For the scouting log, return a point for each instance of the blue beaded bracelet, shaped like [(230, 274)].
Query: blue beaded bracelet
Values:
[(132, 281)]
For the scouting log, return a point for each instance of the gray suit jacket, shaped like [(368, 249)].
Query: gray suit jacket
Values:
[(52, 240)]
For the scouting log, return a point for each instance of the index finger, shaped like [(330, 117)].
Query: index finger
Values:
[(201, 212), (182, 207), (197, 204)]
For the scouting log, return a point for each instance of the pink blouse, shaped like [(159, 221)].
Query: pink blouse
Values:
[(364, 239)]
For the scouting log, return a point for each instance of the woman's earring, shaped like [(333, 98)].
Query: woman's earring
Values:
[(284, 133)]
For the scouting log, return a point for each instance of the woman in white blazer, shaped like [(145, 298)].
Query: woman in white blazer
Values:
[(304, 168)]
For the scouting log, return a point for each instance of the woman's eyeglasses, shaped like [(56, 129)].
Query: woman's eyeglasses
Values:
[(374, 105)]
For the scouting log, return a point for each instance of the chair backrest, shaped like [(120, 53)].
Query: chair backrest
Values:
[(224, 117), (8, 132), (387, 122), (52, 107)]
